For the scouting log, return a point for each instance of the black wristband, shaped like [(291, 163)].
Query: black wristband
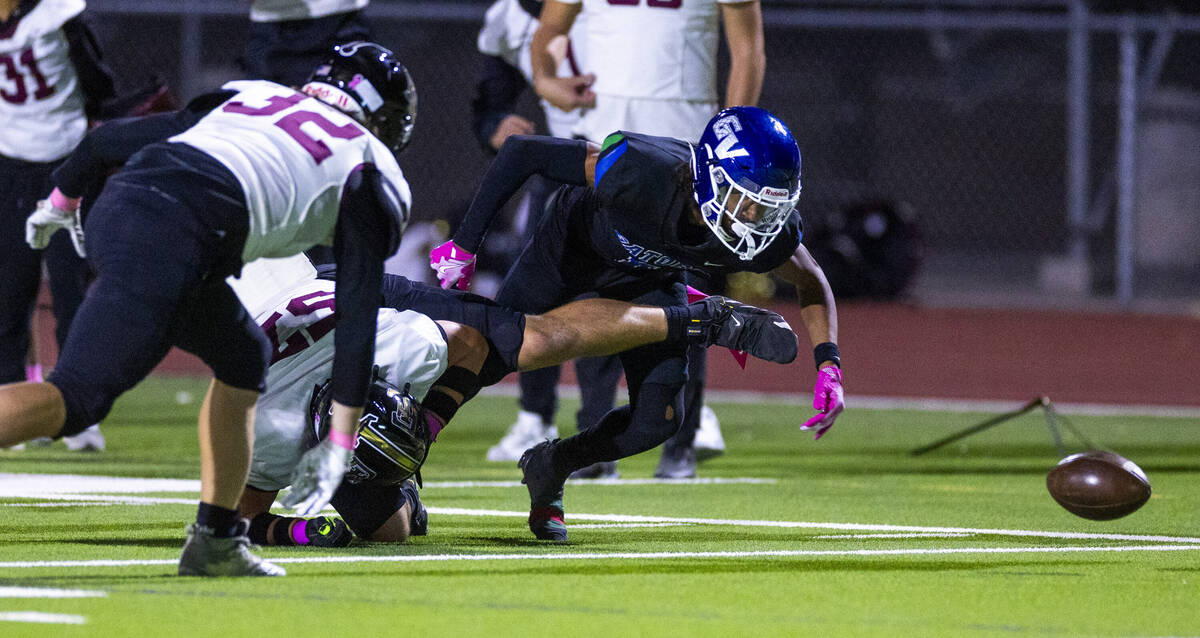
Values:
[(827, 351)]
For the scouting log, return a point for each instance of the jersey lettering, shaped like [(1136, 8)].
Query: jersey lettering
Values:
[(293, 122), (661, 4), (297, 330), (19, 93)]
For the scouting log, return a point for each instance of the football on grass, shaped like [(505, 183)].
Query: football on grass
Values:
[(1098, 485)]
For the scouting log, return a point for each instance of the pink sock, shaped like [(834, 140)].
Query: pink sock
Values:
[(297, 531), (33, 373)]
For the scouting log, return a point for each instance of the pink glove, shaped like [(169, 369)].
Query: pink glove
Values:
[(828, 401), (453, 265)]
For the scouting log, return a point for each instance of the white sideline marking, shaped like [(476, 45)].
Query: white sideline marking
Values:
[(41, 617), (28, 485), (618, 482), (626, 525), (44, 592), (856, 527), (919, 535), (780, 553)]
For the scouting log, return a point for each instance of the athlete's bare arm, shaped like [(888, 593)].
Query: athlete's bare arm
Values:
[(566, 93), (747, 53), (817, 308)]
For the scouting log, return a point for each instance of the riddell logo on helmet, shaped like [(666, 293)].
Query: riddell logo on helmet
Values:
[(774, 192)]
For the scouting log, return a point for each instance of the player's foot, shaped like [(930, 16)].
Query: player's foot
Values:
[(418, 519), (598, 470), (545, 493), (207, 555), (90, 440), (709, 443), (676, 462), (528, 431), (718, 321), (327, 531), (20, 447)]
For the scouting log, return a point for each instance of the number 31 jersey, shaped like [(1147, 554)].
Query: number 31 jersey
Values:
[(293, 155)]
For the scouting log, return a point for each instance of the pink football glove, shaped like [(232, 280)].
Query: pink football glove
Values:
[(453, 265), (828, 401)]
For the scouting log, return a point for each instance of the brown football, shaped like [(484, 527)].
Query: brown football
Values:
[(1098, 485)]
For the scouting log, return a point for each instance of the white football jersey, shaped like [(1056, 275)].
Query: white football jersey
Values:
[(410, 350), (507, 33), (292, 155), (279, 10), (661, 49), (41, 104)]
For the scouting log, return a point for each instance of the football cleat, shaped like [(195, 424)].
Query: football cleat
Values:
[(90, 440), (546, 516), (207, 555), (418, 518), (709, 442), (327, 531), (764, 334), (598, 470), (528, 431), (677, 462)]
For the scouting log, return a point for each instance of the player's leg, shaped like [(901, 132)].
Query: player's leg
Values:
[(382, 513), (466, 351), (598, 378), (69, 275), (678, 458), (21, 184), (271, 529)]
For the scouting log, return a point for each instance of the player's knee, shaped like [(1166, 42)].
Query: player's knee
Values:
[(548, 341), (396, 529), (85, 405), (466, 346)]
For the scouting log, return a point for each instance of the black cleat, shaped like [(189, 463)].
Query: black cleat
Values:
[(545, 493), (597, 470), (327, 531), (418, 519), (719, 321)]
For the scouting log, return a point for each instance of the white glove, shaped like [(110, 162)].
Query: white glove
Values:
[(48, 219), (317, 477)]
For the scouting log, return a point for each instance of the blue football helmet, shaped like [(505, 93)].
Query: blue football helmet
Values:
[(367, 81), (746, 178)]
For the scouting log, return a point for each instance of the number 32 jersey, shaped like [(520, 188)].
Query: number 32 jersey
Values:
[(293, 155)]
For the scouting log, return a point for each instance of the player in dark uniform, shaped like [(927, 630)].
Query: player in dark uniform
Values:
[(640, 212), (228, 179)]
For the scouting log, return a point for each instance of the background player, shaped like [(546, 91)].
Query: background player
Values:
[(54, 83), (289, 38), (474, 343), (640, 212), (255, 170), (653, 70)]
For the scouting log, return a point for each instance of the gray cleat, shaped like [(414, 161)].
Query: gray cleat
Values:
[(677, 462), (207, 555), (598, 470)]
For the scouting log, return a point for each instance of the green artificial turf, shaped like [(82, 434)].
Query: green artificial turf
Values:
[(720, 560)]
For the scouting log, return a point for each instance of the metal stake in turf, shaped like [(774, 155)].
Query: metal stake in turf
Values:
[(1052, 423)]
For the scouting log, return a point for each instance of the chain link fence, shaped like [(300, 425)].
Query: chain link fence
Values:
[(956, 113)]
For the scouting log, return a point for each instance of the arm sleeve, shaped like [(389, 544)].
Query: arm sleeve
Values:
[(110, 145), (367, 231), (496, 94), (95, 79), (521, 157)]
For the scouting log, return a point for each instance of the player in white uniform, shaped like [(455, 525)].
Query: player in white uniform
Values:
[(51, 83), (439, 364), (256, 170)]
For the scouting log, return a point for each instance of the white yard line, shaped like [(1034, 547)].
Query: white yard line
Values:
[(41, 617), (46, 592), (781, 553)]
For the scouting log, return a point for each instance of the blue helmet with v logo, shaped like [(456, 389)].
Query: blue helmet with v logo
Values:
[(746, 178)]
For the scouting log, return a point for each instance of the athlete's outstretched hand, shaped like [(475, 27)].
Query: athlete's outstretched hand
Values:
[(317, 477), (828, 401), (52, 214), (453, 265)]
